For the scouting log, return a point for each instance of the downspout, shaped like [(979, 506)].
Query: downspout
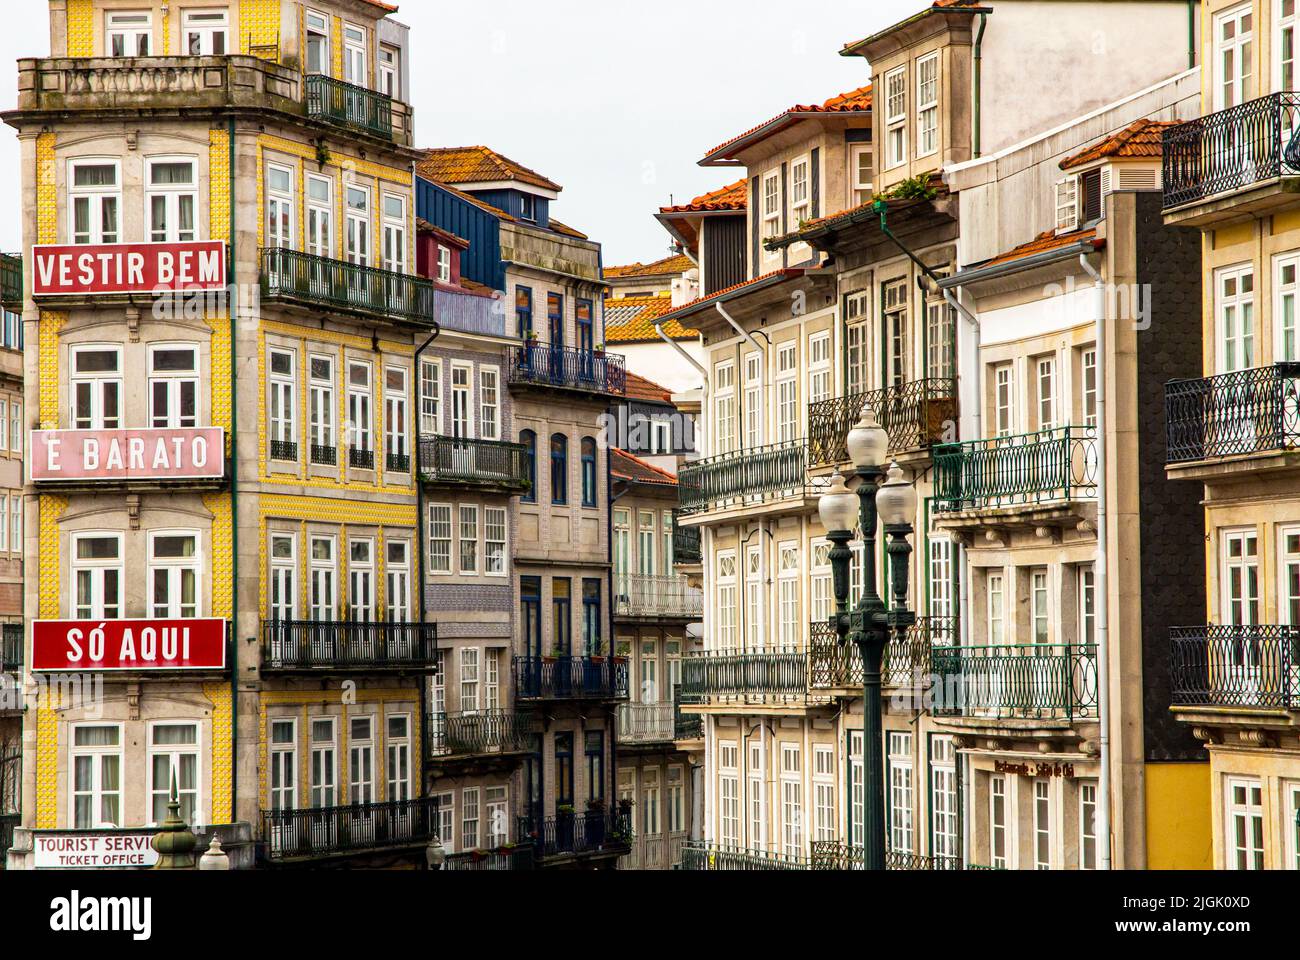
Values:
[(609, 549), (234, 493), (704, 374), (1191, 34), (977, 80), (1102, 585), (420, 541), (737, 327)]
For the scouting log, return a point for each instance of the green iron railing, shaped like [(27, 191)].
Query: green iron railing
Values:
[(915, 415), (838, 666), (349, 105), (1034, 468), (752, 676), (823, 855), (319, 281), (745, 475), (686, 726), (1029, 681)]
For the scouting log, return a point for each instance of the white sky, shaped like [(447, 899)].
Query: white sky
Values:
[(615, 100)]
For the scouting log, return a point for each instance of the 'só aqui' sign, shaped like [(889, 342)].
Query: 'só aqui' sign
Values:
[(145, 268), (128, 645)]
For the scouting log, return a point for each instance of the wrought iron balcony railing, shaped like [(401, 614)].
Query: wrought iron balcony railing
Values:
[(396, 462), (837, 855), (284, 450), (319, 645), (641, 723), (686, 726), (11, 281), (779, 470), (479, 734), (1232, 149), (836, 666), (686, 543), (568, 368), (1025, 681), (571, 678), (824, 855), (486, 463), (604, 832), (349, 105), (519, 857), (1057, 465), (915, 415), (359, 828), (8, 824), (1236, 666), (704, 856), (323, 455), (1249, 411), (771, 675), (320, 281), (644, 596), (11, 646)]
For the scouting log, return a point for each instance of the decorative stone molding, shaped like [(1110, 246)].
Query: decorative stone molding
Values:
[(1050, 534), (1257, 738), (1207, 735)]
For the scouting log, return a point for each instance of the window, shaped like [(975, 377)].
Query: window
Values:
[(861, 174), (173, 757), (667, 532), (395, 431), (468, 540), (555, 318), (594, 743), (896, 118), (650, 801), (756, 787), (173, 386), (284, 578), (489, 399), (1039, 613), (791, 800), (1245, 826), (724, 407), (530, 603), (941, 319), (591, 621), (726, 602), (998, 822), (524, 311), (360, 416), (927, 105), (819, 368), (394, 239), (321, 410), (755, 592), (174, 575), (800, 189), (97, 573), (857, 312), (1042, 825), (945, 820), (564, 769), (398, 767), (582, 317), (324, 762), (771, 206), (284, 406), (1088, 362), (559, 469), (439, 538), (529, 441), (646, 536), (1004, 400), (497, 807), (753, 409), (1091, 199), (462, 422), (320, 216), (562, 616), (941, 577), (996, 608), (1240, 578), (1285, 45), (318, 48), (128, 34), (1233, 40), (494, 557), (895, 297), (622, 542), (1087, 825), (96, 758), (820, 582), (4, 425), (16, 444), (588, 472), (1284, 309), (447, 819), (787, 392), (284, 764), (355, 45), (279, 206), (899, 760), (469, 818), (788, 596), (430, 398), (171, 195), (4, 524), (469, 679), (324, 579), (390, 72), (1067, 204), (397, 572), (528, 207), (676, 800), (356, 225), (97, 388), (857, 798), (361, 580), (823, 792), (206, 32), (95, 201), (729, 796)]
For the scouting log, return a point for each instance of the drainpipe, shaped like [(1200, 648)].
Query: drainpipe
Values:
[(420, 543), (977, 80), (609, 548), (737, 327), (1102, 584), (1191, 34), (704, 374), (234, 496)]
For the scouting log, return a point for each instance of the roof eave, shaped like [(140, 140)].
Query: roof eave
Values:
[(1070, 251)]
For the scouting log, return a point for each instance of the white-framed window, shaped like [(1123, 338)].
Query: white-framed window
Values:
[(898, 357), (439, 538), (753, 401), (360, 409), (361, 580), (468, 527), (819, 367), (1004, 400), (280, 206), (1244, 827), (469, 679), (1087, 575), (941, 576), (999, 846), (447, 819), (206, 32), (820, 582), (896, 118), (1288, 595), (728, 795), (927, 105), (284, 402), (320, 215), (1087, 825), (444, 264), (128, 33), (801, 188), (1067, 204), (492, 679), (497, 807), (489, 402), (390, 71), (1286, 336), (676, 799), (318, 42), (651, 802), (646, 536), (666, 532), (95, 200), (174, 564), (824, 821), (356, 226), (284, 764), (1045, 392), (462, 418), (395, 418), (1284, 44), (1040, 613), (771, 205), (355, 57), (754, 596), (787, 391), (494, 541), (857, 796), (945, 818), (4, 533), (1291, 825), (284, 577), (173, 751), (941, 320), (171, 198), (726, 602), (756, 781), (361, 760), (173, 386), (16, 518), (96, 387), (96, 761), (1235, 313), (622, 541), (995, 585), (788, 586), (321, 407), (792, 832), (862, 173), (1088, 368), (1239, 577), (724, 407), (397, 580), (1042, 825), (324, 762), (398, 747), (97, 576), (16, 445), (901, 786), (430, 398), (324, 578), (394, 239), (1234, 34), (857, 315)]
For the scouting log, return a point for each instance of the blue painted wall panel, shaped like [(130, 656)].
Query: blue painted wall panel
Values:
[(482, 261)]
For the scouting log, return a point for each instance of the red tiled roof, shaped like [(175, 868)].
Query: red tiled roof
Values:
[(567, 230), (391, 8), (1050, 240), (477, 165), (855, 101), (639, 388), (1141, 138), (668, 266), (734, 196), (789, 273), (424, 226), (632, 320), (625, 466)]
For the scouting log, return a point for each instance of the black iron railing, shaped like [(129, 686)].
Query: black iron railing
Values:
[(344, 645), (361, 459), (8, 824), (1057, 465), (349, 105), (1235, 666), (1030, 681), (704, 856), (327, 831), (837, 855), (521, 857), (324, 456), (775, 674), (11, 281), (11, 646), (486, 462), (593, 832), (397, 462), (571, 678), (1249, 411), (915, 415), (686, 542), (569, 368), (477, 734), (686, 726), (645, 596), (908, 658), (284, 450), (823, 855), (762, 472), (1238, 147), (320, 281)]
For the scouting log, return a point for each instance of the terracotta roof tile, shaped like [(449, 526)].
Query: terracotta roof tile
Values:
[(567, 230), (667, 267), (789, 273), (625, 466), (632, 320), (1142, 138), (855, 101), (734, 196), (639, 388), (1049, 240), (477, 165)]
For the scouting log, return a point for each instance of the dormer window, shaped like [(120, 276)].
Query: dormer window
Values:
[(1067, 205), (896, 117), (1079, 201), (529, 209), (444, 264), (129, 33)]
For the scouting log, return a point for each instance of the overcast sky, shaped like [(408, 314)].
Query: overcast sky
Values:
[(615, 100)]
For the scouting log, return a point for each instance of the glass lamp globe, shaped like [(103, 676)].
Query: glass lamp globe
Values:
[(868, 442), (896, 502), (838, 506)]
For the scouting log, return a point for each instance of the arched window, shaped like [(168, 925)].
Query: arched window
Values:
[(588, 472), (529, 440), (559, 469)]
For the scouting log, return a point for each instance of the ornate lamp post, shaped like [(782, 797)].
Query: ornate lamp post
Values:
[(871, 625)]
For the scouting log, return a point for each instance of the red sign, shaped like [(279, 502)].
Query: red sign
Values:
[(151, 268), (128, 454), (117, 645)]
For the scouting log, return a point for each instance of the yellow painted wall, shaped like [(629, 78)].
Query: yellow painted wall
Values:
[(1179, 835)]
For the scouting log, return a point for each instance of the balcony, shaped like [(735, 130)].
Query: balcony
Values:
[(834, 666), (1017, 681), (753, 677), (1034, 476), (571, 678), (360, 828), (595, 833), (686, 726), (11, 281), (306, 280), (519, 857), (836, 855), (686, 544), (349, 105), (646, 597), (323, 455), (824, 855), (640, 724), (318, 646), (916, 415), (487, 464), (361, 459), (565, 368), (1238, 157), (1239, 414), (11, 648), (745, 478), (1255, 666), (485, 733)]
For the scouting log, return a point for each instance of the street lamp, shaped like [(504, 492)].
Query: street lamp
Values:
[(435, 854), (871, 625)]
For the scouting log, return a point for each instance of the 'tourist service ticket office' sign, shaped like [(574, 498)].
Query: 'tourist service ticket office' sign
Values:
[(144, 268), (193, 454), (98, 646), (93, 851)]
